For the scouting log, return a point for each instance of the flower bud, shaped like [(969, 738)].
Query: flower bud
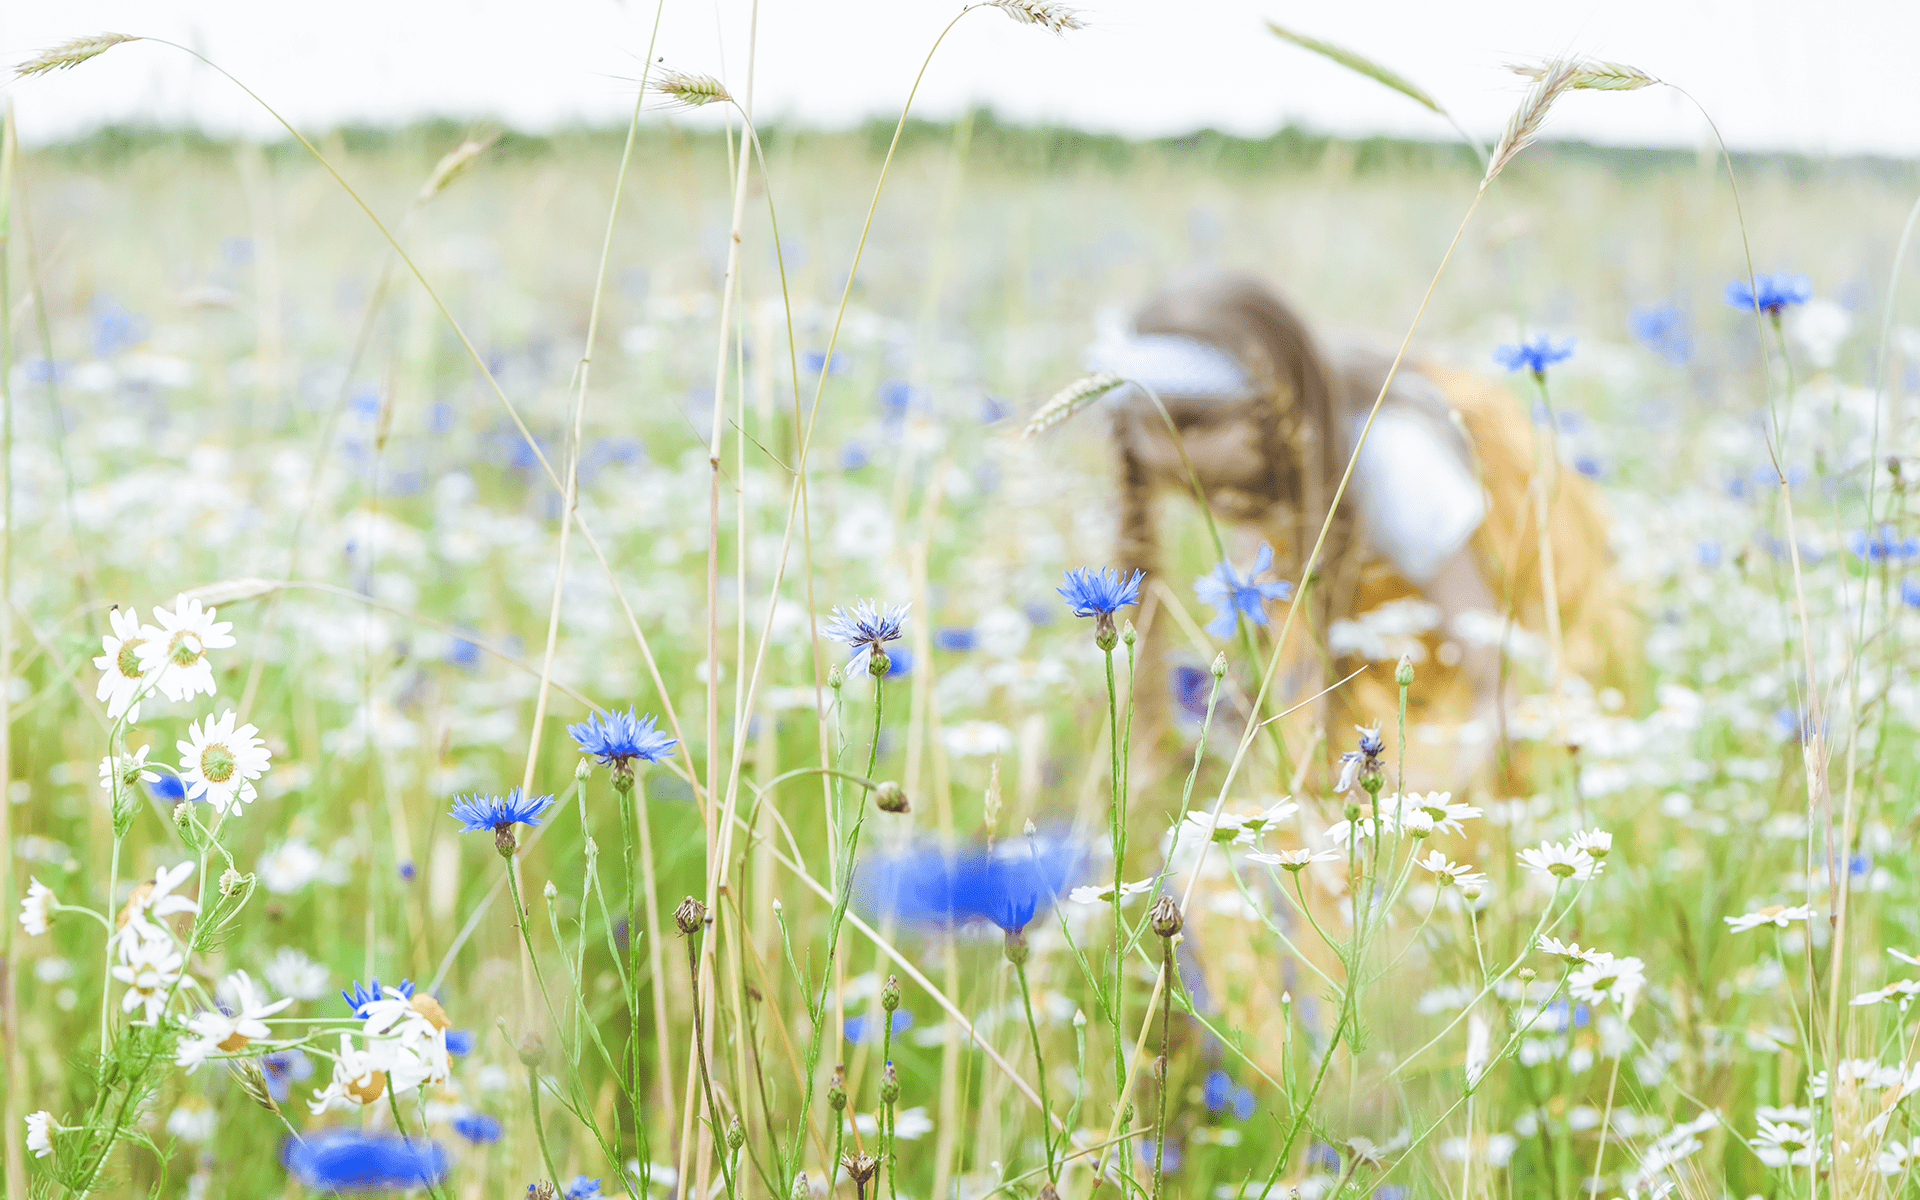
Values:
[(1165, 917), (1128, 635), (690, 916), (503, 840), (549, 891), (834, 678), (736, 1135), (1403, 674), (890, 993), (800, 1189), (890, 797), (583, 770), (1016, 947), (889, 1084), (1219, 667), (1079, 1018), (1030, 829), (1104, 635), (1047, 1192), (878, 664), (837, 1088), (184, 822), (531, 1048), (1527, 975)]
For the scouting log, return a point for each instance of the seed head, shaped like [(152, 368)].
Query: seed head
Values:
[(1076, 395), (690, 916), (71, 54), (679, 87), (452, 165), (1165, 916), (1051, 16), (861, 1167), (890, 798)]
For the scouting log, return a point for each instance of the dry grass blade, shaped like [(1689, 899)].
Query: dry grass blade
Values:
[(1524, 125), (1364, 66), (453, 164), (72, 54), (232, 591), (1069, 400), (253, 1081), (1057, 18), (691, 90), (1592, 75)]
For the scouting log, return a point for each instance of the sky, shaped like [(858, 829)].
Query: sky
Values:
[(1832, 78)]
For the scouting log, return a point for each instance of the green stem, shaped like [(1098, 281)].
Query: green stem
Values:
[(1117, 837), (1166, 1021), (1039, 1072), (706, 1080), (539, 1128)]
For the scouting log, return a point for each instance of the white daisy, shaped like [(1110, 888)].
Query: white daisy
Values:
[(1776, 915), (229, 1032), (416, 1031), (178, 648), (40, 1133), (1904, 990), (1264, 820), (127, 770), (1560, 861), (193, 1120), (1447, 816), (1227, 830), (1598, 843), (36, 908), (1296, 860), (292, 973), (1450, 872), (359, 1077), (220, 763), (1604, 977), (123, 674), (1416, 823), (1361, 827), (149, 969), (139, 920), (1783, 1144), (294, 864), (1103, 893), (1569, 952)]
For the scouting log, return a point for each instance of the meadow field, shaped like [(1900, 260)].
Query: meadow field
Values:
[(223, 386)]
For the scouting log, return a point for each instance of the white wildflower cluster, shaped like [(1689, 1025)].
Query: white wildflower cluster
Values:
[(149, 958), (406, 1048), (1598, 975)]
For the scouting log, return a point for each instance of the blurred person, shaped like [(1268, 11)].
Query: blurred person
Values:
[(1434, 549)]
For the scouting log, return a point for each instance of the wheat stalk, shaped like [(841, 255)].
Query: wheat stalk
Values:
[(1069, 400), (1056, 18), (72, 54), (691, 90), (1593, 75), (453, 164), (1355, 62), (1554, 78)]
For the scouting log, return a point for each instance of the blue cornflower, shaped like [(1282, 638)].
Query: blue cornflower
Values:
[(866, 628), (1769, 293), (347, 1160), (1884, 545), (283, 1069), (359, 997), (857, 1028), (1390, 1191), (1909, 592), (1662, 328), (620, 738), (478, 1128), (1170, 1161), (1243, 1102), (1006, 885), (1102, 593), (407, 871), (1364, 763), (168, 789), (582, 1188), (478, 813), (1322, 1155), (1535, 356), (1216, 1090), (460, 1041), (1190, 687), (1233, 594)]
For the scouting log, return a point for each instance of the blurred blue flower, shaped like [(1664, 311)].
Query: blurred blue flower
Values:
[(463, 653), (1169, 1162), (360, 997), (1037, 614), (993, 408), (1390, 1191), (1233, 595), (478, 813), (866, 628), (899, 663), (1909, 592), (406, 871), (1535, 356), (854, 455), (460, 1041), (1770, 293), (618, 738), (1216, 1090), (1102, 593), (1006, 885), (167, 788), (1191, 686), (283, 1069), (898, 398), (340, 1159), (477, 1127), (856, 1028), (1885, 545), (1324, 1156), (583, 1188), (114, 327), (1708, 553), (1662, 328), (954, 637), (1589, 465), (1243, 1102), (813, 360), (1559, 1017)]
